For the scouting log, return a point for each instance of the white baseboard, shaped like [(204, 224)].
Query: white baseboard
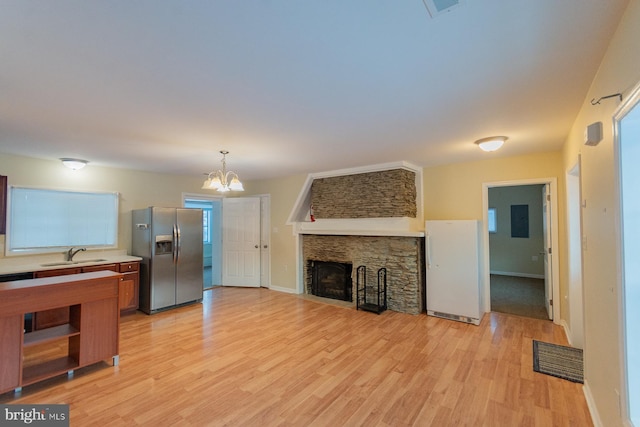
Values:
[(281, 289), (510, 273), (567, 330), (595, 417)]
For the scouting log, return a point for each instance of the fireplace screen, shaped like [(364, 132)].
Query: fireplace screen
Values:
[(331, 280)]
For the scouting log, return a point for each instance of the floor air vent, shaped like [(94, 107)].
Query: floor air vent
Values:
[(438, 7)]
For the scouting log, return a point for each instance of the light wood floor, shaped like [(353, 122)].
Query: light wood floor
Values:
[(260, 358)]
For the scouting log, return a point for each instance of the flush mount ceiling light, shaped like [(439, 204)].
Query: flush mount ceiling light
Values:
[(491, 143), (219, 180), (74, 164)]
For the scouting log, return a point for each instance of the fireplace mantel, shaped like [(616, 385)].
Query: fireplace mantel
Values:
[(402, 227)]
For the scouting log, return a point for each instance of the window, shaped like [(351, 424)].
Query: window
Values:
[(44, 220), (206, 225), (492, 221)]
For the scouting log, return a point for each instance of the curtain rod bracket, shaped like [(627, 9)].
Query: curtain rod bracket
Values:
[(596, 102)]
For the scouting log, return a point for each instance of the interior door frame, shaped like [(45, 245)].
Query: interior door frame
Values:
[(632, 101), (546, 235), (209, 198), (573, 225), (485, 257), (265, 240)]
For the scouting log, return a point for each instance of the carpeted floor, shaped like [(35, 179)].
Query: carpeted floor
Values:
[(518, 295)]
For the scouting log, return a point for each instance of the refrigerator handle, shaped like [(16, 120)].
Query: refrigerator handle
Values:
[(428, 251), (176, 243)]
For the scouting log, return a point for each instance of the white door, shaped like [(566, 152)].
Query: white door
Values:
[(548, 250), (265, 254), (241, 241)]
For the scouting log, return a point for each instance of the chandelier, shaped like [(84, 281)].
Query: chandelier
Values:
[(219, 180)]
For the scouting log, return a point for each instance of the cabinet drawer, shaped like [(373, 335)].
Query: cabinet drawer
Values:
[(101, 267), (128, 266), (57, 272)]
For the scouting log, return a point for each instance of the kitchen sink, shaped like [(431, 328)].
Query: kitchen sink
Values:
[(83, 261), (53, 264)]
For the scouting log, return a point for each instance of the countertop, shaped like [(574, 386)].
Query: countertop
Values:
[(13, 265)]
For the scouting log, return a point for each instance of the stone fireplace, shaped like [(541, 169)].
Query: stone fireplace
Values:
[(402, 256), (369, 216)]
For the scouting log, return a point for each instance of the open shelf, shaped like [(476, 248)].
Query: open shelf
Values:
[(48, 369), (88, 335), (49, 334)]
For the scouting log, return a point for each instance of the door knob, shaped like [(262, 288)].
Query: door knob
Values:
[(266, 246), (256, 246)]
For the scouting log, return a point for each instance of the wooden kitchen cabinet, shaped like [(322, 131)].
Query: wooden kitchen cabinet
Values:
[(91, 334), (128, 292), (100, 267), (129, 286)]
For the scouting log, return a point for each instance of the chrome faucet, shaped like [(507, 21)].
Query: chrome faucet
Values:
[(71, 253)]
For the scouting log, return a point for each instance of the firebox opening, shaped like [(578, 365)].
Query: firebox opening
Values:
[(331, 280)]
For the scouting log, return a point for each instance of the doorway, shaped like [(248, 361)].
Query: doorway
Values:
[(214, 256), (627, 148), (533, 228), (516, 250), (211, 237)]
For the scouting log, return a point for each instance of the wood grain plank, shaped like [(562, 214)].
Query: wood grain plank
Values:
[(259, 357)]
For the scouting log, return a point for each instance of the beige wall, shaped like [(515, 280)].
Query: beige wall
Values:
[(619, 72), (137, 189), (450, 192), (455, 192), (283, 193)]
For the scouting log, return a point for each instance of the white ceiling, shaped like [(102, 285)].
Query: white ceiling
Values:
[(292, 87)]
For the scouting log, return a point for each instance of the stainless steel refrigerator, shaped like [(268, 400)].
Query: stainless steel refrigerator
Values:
[(169, 241)]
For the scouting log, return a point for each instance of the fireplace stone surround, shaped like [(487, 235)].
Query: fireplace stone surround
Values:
[(402, 256)]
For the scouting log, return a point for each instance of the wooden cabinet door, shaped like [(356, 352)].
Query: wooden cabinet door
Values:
[(126, 294), (56, 316), (129, 284), (10, 354), (98, 330)]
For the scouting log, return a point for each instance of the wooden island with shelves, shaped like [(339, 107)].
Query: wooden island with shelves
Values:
[(90, 336)]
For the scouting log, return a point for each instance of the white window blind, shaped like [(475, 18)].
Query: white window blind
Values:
[(41, 219)]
